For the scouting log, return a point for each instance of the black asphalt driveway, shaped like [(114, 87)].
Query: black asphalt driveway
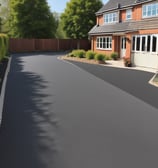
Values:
[(63, 115)]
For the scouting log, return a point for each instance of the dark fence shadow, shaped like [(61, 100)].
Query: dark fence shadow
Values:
[(28, 132)]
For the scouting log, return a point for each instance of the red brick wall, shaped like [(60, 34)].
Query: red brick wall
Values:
[(123, 15), (137, 12), (100, 20)]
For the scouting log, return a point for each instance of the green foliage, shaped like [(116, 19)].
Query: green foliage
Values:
[(79, 17), (3, 46), (60, 33), (71, 54), (114, 55), (4, 19), (90, 54), (100, 57), (31, 19), (79, 53), (108, 57)]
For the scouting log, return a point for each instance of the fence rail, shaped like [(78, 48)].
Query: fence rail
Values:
[(32, 45)]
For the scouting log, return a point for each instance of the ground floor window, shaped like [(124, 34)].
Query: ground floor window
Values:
[(145, 43), (104, 42)]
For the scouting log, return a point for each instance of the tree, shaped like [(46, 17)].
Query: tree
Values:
[(60, 31), (79, 17), (4, 19), (31, 19)]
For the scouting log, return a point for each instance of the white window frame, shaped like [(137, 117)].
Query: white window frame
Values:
[(146, 43), (128, 14), (150, 10), (110, 17), (104, 43)]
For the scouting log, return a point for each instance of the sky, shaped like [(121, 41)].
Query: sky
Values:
[(59, 5)]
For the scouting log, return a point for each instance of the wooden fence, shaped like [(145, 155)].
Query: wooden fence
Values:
[(32, 45)]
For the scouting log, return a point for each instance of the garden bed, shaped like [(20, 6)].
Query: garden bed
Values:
[(82, 60)]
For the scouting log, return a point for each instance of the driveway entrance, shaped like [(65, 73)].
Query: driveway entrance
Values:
[(63, 115)]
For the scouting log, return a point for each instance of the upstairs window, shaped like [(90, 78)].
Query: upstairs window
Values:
[(111, 17), (128, 14), (150, 10)]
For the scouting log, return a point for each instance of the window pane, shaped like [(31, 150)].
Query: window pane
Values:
[(144, 10), (138, 44), (148, 43), (143, 43), (104, 45), (133, 44), (149, 10), (154, 42), (110, 45), (125, 42), (128, 14), (156, 8), (107, 20), (153, 10)]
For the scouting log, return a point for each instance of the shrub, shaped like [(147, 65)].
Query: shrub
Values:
[(100, 57), (71, 54), (90, 54), (108, 58), (3, 46), (79, 53), (114, 55)]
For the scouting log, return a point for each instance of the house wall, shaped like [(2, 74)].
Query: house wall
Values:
[(138, 58), (137, 12), (128, 45), (123, 15), (100, 20), (136, 15)]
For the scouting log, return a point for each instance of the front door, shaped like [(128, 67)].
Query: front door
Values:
[(123, 47)]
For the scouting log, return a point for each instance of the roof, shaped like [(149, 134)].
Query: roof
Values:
[(117, 4), (125, 27)]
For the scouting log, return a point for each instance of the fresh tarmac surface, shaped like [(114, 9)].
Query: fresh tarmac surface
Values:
[(58, 115)]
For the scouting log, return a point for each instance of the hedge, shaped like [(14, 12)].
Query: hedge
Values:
[(4, 44)]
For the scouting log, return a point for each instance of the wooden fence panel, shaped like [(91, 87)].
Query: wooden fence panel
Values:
[(31, 45), (21, 45)]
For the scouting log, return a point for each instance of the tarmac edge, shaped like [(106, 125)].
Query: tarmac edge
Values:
[(4, 88)]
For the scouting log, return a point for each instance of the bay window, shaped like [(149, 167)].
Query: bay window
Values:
[(145, 43)]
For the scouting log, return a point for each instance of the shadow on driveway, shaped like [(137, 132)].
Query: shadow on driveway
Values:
[(27, 122), (132, 81)]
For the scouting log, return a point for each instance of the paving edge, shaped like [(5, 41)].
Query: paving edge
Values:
[(151, 80), (3, 89)]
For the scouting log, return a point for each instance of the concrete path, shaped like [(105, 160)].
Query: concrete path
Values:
[(57, 115)]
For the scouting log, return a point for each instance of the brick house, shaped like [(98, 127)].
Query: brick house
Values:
[(130, 28)]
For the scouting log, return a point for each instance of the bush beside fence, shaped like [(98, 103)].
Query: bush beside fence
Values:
[(3, 46)]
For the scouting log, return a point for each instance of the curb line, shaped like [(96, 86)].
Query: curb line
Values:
[(151, 80), (3, 89)]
